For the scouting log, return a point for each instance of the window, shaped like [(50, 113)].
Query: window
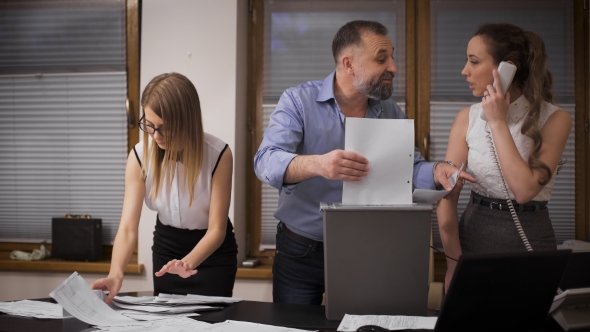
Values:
[(291, 44), (63, 115)]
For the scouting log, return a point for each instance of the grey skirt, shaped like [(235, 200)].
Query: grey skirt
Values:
[(486, 230)]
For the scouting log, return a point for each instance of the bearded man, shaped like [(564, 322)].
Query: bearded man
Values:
[(302, 153)]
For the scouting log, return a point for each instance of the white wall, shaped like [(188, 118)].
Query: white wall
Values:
[(207, 42)]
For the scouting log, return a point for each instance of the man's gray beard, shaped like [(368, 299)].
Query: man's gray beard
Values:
[(374, 90)]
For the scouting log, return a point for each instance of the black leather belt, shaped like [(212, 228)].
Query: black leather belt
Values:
[(300, 238), (503, 206)]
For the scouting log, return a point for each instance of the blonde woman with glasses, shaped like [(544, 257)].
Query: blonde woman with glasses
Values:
[(185, 175)]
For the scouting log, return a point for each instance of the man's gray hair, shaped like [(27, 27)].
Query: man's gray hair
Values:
[(350, 34)]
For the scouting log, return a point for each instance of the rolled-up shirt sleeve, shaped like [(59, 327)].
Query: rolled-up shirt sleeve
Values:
[(423, 177), (280, 142)]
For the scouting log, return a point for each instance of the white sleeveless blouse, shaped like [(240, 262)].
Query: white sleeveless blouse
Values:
[(172, 203), (479, 160)]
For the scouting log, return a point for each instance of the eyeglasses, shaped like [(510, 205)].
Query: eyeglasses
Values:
[(150, 129)]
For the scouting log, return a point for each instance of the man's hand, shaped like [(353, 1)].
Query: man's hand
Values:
[(176, 266), (343, 165), (444, 171)]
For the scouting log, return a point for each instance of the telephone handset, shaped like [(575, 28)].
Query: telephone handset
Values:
[(506, 72)]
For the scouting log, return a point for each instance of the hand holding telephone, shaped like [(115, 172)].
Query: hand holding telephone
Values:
[(506, 73)]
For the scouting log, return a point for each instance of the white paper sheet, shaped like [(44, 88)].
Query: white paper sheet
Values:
[(237, 326), (181, 324), (428, 195), (433, 196), (36, 309), (148, 316), (75, 296), (134, 299), (388, 144), (185, 325), (353, 322)]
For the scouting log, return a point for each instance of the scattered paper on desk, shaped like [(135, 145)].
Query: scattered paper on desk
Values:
[(147, 316), (388, 144), (189, 325), (76, 297), (353, 322), (36, 309), (237, 326), (178, 324)]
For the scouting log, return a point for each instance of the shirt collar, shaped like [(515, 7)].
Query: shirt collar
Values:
[(375, 107), (327, 93), (518, 109)]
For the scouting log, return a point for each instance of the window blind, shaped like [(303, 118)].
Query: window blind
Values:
[(453, 23), (63, 126), (298, 48), (63, 148), (58, 36)]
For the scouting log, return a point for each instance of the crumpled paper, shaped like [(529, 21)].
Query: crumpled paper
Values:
[(37, 254)]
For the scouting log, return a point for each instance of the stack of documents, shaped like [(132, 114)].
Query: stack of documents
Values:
[(36, 309), (166, 305)]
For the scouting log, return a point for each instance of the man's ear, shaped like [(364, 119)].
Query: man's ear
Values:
[(346, 63)]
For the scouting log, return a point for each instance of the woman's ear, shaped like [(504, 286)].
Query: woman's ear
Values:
[(510, 62)]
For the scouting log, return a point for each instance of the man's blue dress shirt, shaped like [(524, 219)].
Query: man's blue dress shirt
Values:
[(308, 121)]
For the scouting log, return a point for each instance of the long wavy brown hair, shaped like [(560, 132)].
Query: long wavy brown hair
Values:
[(526, 49), (175, 100)]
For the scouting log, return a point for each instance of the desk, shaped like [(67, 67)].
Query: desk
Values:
[(310, 317)]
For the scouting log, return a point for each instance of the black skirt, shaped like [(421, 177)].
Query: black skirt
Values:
[(486, 230), (216, 274)]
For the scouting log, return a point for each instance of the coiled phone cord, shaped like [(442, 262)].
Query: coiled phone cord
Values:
[(521, 233)]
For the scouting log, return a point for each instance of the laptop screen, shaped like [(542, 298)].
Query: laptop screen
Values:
[(502, 291)]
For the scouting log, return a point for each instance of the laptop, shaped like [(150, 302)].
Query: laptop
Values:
[(376, 259), (577, 272), (502, 291)]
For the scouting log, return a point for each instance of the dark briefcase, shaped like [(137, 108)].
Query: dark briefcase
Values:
[(76, 238)]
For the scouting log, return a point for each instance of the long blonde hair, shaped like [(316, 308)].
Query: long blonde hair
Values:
[(526, 49), (175, 100)]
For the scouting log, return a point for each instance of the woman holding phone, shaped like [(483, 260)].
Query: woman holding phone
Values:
[(185, 175), (513, 155)]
